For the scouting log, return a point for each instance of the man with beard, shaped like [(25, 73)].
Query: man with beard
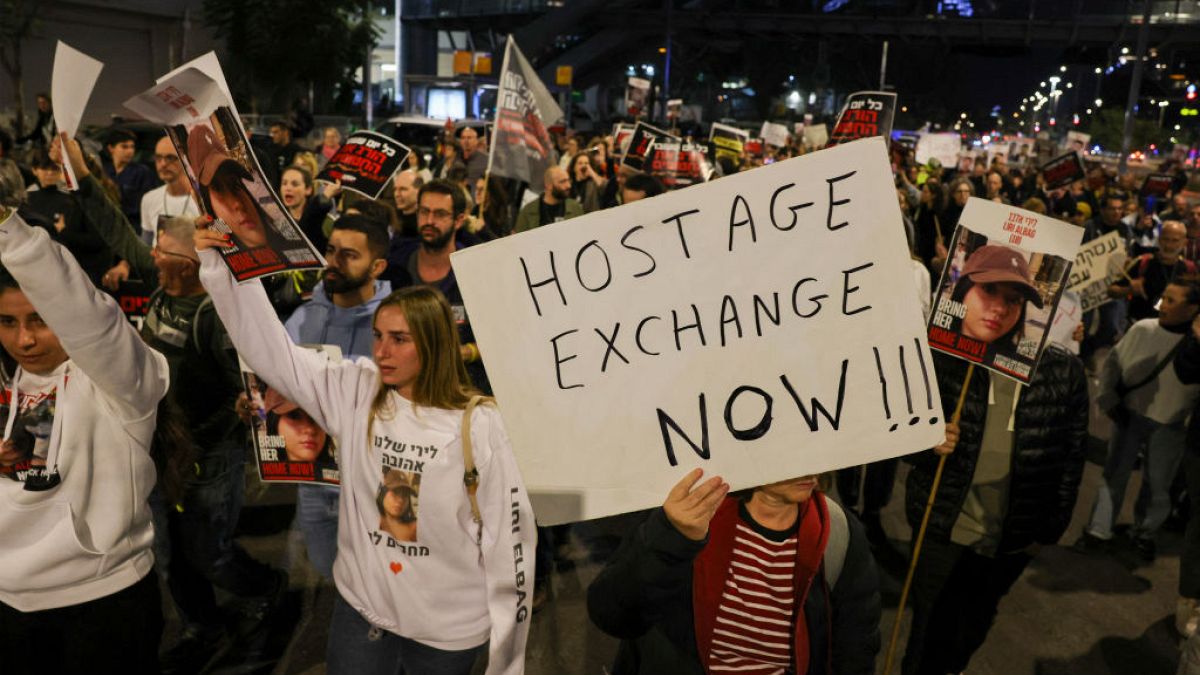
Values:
[(554, 205), (340, 313), (425, 259)]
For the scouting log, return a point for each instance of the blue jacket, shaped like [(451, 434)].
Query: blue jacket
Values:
[(319, 321)]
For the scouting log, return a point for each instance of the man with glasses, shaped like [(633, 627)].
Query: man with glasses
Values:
[(425, 259), (173, 198)]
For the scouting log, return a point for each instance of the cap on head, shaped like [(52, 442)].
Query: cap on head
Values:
[(206, 154), (397, 479), (999, 264)]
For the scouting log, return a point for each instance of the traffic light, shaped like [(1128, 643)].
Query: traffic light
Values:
[(1191, 92)]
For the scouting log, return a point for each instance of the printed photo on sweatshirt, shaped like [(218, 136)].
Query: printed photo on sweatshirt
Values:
[(26, 448), (289, 446), (399, 492)]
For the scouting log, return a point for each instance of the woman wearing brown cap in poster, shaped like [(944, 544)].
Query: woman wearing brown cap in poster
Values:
[(397, 513), (223, 188), (303, 439), (993, 289)]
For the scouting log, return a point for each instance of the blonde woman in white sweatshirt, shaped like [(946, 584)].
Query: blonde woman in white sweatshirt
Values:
[(433, 603), (76, 593)]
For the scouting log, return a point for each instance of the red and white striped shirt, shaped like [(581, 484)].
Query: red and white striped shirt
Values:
[(756, 617)]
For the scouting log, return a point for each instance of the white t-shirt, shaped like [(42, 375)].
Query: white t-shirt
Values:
[(157, 203)]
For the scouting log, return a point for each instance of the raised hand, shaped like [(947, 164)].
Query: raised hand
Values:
[(690, 510)]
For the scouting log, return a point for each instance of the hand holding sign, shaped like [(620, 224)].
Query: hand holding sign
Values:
[(690, 511)]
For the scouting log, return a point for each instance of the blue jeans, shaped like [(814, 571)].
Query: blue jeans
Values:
[(317, 518), (198, 539), (358, 648), (1164, 448)]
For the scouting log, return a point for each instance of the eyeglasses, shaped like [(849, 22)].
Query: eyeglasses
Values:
[(166, 159), (438, 214)]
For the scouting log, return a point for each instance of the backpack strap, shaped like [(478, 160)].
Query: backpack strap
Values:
[(470, 473), (838, 543), (204, 304)]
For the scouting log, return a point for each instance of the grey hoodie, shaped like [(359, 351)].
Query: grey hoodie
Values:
[(319, 321)]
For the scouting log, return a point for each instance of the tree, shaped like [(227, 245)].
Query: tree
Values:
[(19, 19), (277, 48), (1107, 128)]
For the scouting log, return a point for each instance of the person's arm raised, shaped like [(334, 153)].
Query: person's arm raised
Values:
[(92, 329), (326, 391)]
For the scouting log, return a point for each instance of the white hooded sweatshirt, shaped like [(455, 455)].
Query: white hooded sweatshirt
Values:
[(89, 535), (421, 575)]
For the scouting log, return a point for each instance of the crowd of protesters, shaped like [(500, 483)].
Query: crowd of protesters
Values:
[(124, 457)]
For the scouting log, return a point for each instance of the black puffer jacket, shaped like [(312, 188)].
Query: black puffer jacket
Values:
[(1187, 369), (1048, 452)]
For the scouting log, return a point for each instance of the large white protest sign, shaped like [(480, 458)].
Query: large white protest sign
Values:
[(1093, 269), (943, 147), (762, 326), (71, 85)]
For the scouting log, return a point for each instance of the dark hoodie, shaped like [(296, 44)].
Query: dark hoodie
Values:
[(402, 272)]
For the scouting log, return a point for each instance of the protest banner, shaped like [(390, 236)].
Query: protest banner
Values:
[(639, 144), (678, 164), (674, 108), (1068, 317), (1077, 141), (637, 95), (1063, 170), (133, 297), (728, 142), (1157, 185), (71, 85), (1093, 270), (1000, 287), (289, 447), (621, 135), (755, 147), (762, 326), (1021, 151), (225, 175), (816, 135), (521, 145), (774, 134), (365, 163), (866, 114), (942, 147)]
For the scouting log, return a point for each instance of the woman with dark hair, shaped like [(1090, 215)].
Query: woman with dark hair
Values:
[(303, 439), (397, 513), (927, 221), (586, 181), (224, 191), (78, 533), (993, 289), (430, 606)]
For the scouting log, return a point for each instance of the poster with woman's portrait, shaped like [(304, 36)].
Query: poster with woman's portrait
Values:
[(398, 494), (289, 446), (1000, 289), (228, 182)]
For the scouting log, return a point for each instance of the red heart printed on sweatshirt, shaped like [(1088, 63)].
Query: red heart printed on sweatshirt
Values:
[(396, 567)]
